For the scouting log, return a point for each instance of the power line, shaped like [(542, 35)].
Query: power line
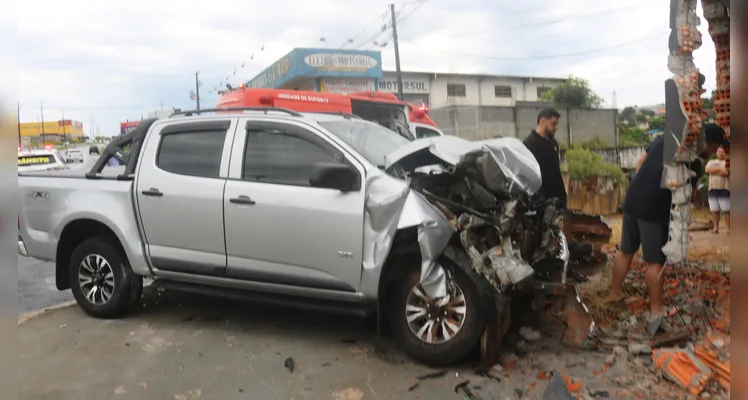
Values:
[(365, 43), (401, 17), (352, 39), (552, 56), (556, 21), (527, 7), (419, 4)]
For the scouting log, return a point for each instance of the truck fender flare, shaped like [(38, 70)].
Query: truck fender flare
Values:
[(74, 232)]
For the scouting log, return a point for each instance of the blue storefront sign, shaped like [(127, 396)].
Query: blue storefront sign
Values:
[(320, 63)]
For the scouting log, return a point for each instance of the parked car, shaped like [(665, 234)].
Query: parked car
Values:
[(323, 211), (74, 155), (93, 150)]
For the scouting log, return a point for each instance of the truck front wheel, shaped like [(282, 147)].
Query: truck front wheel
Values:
[(437, 331), (101, 279)]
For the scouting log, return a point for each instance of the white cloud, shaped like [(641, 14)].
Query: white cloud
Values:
[(113, 60)]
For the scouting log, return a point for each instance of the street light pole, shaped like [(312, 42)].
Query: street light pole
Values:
[(197, 89), (44, 140), (397, 53)]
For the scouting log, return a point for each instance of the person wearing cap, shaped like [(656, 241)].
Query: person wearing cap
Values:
[(646, 222)]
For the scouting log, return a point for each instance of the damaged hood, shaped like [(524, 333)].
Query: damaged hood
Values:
[(506, 161)]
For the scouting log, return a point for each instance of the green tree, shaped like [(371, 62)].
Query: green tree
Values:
[(633, 136), (628, 114), (647, 112), (657, 123), (574, 92), (709, 102)]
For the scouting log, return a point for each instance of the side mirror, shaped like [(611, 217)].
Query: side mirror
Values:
[(333, 176)]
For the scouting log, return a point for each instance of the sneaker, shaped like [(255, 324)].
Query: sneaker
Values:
[(529, 334), (654, 323)]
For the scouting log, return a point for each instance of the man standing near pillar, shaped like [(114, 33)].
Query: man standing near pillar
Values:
[(543, 145), (646, 220)]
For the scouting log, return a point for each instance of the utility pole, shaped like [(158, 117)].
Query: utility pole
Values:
[(397, 53), (41, 107), (64, 139), (19, 124), (197, 89)]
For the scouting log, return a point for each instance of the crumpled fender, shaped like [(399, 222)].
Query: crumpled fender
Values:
[(391, 206)]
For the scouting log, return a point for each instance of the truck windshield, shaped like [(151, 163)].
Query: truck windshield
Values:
[(369, 139)]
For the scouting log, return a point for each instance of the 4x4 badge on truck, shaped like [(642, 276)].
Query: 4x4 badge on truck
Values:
[(38, 195), (345, 254)]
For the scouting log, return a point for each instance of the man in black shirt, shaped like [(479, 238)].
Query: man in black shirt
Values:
[(544, 147), (646, 221)]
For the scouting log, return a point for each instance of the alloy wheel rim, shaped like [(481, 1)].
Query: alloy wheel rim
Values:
[(96, 279), (435, 321)]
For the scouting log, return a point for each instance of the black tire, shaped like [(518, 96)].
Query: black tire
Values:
[(459, 345), (127, 286), (137, 290)]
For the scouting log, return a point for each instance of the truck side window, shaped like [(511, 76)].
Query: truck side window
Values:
[(425, 132), (274, 156), (192, 153)]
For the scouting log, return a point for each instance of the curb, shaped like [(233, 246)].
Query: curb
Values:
[(33, 314)]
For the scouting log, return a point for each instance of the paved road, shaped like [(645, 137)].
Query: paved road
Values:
[(179, 346), (36, 278)]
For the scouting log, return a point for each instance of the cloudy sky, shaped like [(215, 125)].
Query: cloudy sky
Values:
[(107, 61)]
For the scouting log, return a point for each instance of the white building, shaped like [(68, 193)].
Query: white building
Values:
[(438, 90), (160, 113)]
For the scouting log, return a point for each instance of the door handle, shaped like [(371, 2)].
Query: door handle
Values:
[(152, 192), (242, 200)]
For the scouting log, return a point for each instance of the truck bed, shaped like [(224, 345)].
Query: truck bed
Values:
[(49, 202)]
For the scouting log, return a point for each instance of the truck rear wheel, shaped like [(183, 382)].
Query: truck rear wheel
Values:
[(437, 331), (101, 279)]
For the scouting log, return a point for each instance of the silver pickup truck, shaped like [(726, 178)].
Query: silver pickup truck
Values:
[(320, 210)]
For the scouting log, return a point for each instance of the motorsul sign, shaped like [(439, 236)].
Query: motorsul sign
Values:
[(409, 86), (340, 62)]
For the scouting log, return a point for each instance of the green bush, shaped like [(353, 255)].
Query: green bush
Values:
[(594, 143), (633, 136), (583, 164)]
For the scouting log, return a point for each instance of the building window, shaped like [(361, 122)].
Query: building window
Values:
[(502, 91), (542, 90), (456, 90)]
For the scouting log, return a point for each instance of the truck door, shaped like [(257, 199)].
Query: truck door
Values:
[(279, 229), (179, 191)]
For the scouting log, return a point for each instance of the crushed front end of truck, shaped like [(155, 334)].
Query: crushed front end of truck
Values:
[(474, 203)]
